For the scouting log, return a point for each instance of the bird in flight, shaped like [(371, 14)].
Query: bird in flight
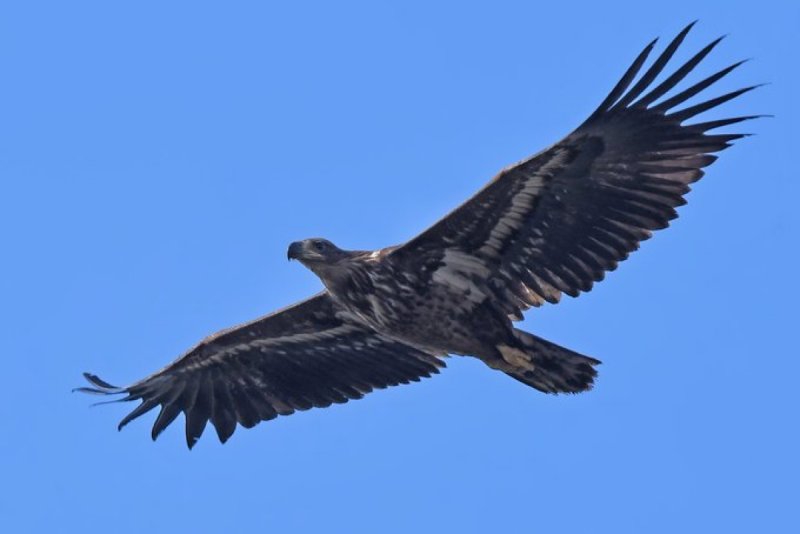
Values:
[(553, 223)]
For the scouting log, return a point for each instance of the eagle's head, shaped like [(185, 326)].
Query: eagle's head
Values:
[(316, 251)]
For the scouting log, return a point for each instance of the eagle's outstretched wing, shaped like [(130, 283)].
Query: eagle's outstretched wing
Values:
[(556, 222), (307, 355)]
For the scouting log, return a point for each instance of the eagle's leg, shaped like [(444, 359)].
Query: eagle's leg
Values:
[(516, 359), (542, 364)]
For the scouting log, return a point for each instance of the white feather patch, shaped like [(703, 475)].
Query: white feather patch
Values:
[(310, 339), (457, 272), (519, 209)]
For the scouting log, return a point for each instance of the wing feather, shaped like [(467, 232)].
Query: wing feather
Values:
[(558, 221), (309, 355)]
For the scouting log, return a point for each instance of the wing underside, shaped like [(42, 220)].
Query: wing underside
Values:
[(558, 221), (301, 358)]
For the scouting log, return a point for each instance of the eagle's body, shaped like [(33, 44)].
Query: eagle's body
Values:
[(412, 306), (551, 224), (434, 306)]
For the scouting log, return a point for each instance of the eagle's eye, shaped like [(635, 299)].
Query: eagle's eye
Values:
[(319, 246)]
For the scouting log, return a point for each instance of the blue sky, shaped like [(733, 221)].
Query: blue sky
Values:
[(157, 158)]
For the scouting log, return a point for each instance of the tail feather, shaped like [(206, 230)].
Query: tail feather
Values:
[(546, 366)]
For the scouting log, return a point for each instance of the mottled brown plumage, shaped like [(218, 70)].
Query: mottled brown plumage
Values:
[(551, 224)]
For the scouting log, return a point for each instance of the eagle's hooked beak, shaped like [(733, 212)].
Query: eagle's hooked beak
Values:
[(295, 250)]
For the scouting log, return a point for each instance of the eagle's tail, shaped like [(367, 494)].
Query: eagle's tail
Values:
[(546, 366)]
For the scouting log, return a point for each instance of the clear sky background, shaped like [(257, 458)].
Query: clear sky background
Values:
[(156, 158)]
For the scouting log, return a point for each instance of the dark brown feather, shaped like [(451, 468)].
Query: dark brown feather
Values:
[(555, 222), (302, 357)]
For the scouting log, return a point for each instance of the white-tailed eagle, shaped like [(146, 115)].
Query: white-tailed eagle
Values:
[(553, 223)]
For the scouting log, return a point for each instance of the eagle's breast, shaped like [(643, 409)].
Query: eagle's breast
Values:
[(425, 305)]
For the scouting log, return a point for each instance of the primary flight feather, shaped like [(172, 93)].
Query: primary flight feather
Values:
[(553, 223)]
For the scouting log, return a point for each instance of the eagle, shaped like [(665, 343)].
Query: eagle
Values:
[(552, 224)]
